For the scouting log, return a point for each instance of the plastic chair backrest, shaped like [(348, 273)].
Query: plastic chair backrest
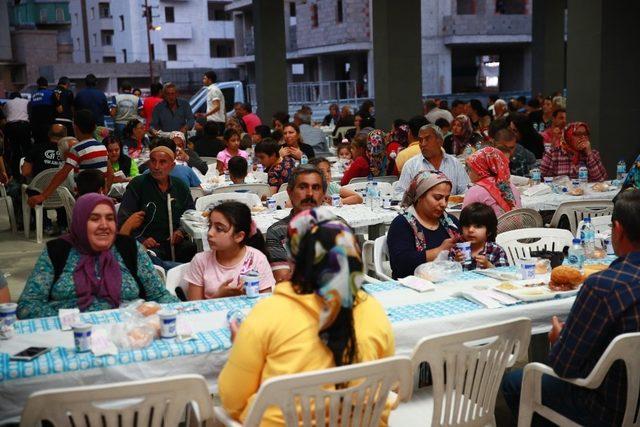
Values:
[(153, 402), (384, 187), (175, 279), (467, 367), (518, 244), (249, 199), (283, 187), (40, 182), (307, 398), (380, 256), (281, 199), (262, 190), (260, 177), (161, 273), (600, 223), (518, 219), (386, 178), (68, 200), (576, 211)]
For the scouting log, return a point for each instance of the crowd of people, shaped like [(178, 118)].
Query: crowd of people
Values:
[(310, 259)]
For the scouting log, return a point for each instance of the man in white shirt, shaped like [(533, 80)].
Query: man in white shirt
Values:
[(215, 102), (433, 157), (433, 113), (125, 107), (17, 131)]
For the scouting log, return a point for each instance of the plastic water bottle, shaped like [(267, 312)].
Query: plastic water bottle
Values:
[(583, 174), (369, 192), (468, 150), (478, 146), (535, 176), (304, 159), (377, 201), (576, 255), (588, 237), (621, 170), (249, 161)]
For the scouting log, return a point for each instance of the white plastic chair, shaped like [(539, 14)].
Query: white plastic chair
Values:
[(518, 244), (381, 258), (600, 223), (4, 197), (466, 367), (262, 190), (153, 402), (576, 211), (281, 199), (386, 178), (249, 199), (283, 187), (260, 177), (54, 201), (161, 273), (175, 279), (518, 219), (385, 188), (307, 398), (623, 347)]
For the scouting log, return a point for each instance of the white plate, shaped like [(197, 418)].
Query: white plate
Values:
[(532, 294)]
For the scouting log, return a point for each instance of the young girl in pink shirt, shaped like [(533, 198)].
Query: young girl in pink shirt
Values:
[(232, 141), (235, 250)]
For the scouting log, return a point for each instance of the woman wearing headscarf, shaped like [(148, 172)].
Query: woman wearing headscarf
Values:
[(423, 229), (376, 154), (368, 153), (398, 140), (574, 151), (91, 268), (488, 170), (330, 320), (462, 134)]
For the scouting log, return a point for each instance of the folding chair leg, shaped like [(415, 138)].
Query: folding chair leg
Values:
[(39, 223), (12, 215)]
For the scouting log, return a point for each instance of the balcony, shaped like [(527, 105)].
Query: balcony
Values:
[(179, 64), (474, 29), (176, 31), (220, 30)]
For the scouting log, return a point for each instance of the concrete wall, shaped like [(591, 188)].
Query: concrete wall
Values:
[(5, 46), (355, 26), (24, 41)]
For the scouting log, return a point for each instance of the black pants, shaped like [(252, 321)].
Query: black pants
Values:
[(18, 137), (185, 250)]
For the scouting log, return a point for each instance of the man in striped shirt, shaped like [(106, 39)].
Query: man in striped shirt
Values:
[(86, 154)]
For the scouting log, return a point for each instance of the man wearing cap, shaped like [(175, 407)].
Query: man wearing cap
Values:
[(147, 194)]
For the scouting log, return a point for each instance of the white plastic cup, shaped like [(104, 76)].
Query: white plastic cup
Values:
[(8, 313), (527, 268), (465, 248), (271, 204), (386, 203), (168, 321), (335, 200), (82, 337), (251, 283)]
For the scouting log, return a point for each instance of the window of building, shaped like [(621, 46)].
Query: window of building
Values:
[(216, 12), (43, 16), (172, 52), (466, 7), (93, 13), (121, 22), (59, 14), (339, 12), (511, 7), (104, 9), (124, 55), (106, 36), (108, 59), (314, 15), (169, 14), (220, 48)]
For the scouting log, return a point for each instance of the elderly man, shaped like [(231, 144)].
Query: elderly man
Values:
[(310, 135), (607, 305), (500, 110), (306, 189), (187, 155), (86, 154), (150, 194), (413, 149), (433, 157), (172, 114)]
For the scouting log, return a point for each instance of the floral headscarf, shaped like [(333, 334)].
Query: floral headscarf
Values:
[(568, 144), (401, 135), (376, 153), (326, 249), (459, 142), (419, 185), (492, 167)]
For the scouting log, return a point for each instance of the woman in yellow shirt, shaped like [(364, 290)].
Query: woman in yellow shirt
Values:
[(319, 320)]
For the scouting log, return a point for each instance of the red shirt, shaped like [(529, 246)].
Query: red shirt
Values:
[(251, 120), (147, 109), (359, 168)]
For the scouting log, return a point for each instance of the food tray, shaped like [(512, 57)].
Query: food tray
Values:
[(525, 290)]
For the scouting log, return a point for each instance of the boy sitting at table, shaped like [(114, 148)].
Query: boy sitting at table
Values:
[(479, 227), (238, 167)]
